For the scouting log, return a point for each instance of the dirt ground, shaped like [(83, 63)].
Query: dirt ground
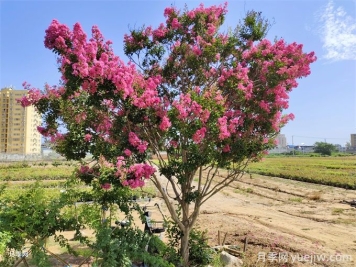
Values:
[(286, 223), (280, 216)]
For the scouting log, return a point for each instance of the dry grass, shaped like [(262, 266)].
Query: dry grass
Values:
[(315, 195)]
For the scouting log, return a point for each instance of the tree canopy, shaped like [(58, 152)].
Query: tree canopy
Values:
[(209, 100), (324, 148)]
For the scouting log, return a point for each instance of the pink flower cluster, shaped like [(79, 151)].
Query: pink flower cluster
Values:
[(165, 123), (189, 110), (211, 19), (199, 135), (136, 142), (32, 97), (106, 186), (95, 70), (160, 32), (135, 175), (43, 131), (56, 36), (84, 169), (149, 97)]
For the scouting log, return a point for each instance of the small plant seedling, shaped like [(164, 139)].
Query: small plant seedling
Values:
[(337, 211), (296, 199)]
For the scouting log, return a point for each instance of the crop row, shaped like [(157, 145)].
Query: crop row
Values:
[(44, 184), (36, 173), (25, 164), (14, 193), (339, 172)]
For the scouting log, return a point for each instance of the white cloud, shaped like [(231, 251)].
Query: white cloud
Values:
[(338, 33)]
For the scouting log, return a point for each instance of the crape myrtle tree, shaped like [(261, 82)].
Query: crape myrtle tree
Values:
[(209, 100)]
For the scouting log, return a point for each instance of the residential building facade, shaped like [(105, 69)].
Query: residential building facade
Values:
[(18, 125), (282, 141), (353, 140)]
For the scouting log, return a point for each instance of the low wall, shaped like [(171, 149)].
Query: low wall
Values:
[(29, 157)]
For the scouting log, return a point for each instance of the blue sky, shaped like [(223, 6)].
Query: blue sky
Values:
[(324, 103)]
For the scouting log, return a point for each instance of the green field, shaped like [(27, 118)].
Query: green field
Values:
[(334, 171), (52, 176), (39, 171)]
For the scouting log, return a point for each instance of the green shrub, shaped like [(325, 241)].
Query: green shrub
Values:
[(200, 253)]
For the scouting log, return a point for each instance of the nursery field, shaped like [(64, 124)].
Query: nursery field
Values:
[(51, 176), (17, 177), (23, 171), (334, 171)]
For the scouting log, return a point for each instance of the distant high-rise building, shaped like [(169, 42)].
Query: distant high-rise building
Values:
[(18, 125), (353, 140), (282, 141)]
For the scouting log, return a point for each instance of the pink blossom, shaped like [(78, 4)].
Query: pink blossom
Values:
[(165, 123), (169, 11), (211, 29), (26, 85), (199, 135), (137, 173), (24, 101), (196, 50), (43, 131), (55, 34), (80, 117), (175, 24), (57, 137), (133, 183), (106, 186), (142, 147), (120, 162), (142, 170), (224, 133), (191, 14), (160, 32), (84, 169), (133, 139), (174, 143), (226, 149), (127, 152), (136, 142), (196, 108), (87, 137), (205, 115), (264, 105)]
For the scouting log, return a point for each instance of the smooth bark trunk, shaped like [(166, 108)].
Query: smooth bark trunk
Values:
[(184, 246)]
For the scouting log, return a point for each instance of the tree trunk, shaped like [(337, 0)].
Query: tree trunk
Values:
[(184, 247)]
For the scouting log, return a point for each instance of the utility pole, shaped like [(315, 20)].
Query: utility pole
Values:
[(293, 144)]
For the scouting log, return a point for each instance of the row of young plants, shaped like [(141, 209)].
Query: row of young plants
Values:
[(44, 184), (36, 173), (12, 192), (26, 164), (333, 171)]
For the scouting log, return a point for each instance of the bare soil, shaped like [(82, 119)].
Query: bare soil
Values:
[(283, 216)]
